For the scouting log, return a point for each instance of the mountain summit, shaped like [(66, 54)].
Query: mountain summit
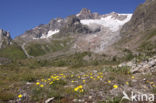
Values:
[(87, 14)]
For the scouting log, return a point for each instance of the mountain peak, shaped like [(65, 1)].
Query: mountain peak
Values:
[(86, 14), (85, 11)]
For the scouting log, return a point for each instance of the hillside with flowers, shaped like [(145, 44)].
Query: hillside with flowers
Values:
[(84, 58)]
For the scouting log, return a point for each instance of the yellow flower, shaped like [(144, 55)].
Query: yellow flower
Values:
[(80, 86), (37, 83), (72, 81), (86, 75), (41, 85), (51, 83), (115, 86), (98, 77), (109, 81), (49, 79), (72, 75), (127, 83), (76, 89), (57, 79), (61, 74), (84, 81), (20, 96), (132, 77)]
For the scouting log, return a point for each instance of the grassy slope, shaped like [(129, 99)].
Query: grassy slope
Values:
[(12, 52), (39, 49)]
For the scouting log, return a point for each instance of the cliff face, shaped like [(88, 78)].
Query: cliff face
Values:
[(5, 38)]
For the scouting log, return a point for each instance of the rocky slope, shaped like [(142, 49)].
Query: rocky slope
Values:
[(5, 38), (144, 19), (61, 26), (139, 29)]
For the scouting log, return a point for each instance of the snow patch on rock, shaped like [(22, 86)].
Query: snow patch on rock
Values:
[(49, 34)]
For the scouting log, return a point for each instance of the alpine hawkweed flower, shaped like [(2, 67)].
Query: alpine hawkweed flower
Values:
[(41, 85), (51, 83), (127, 83), (79, 89), (75, 89), (132, 77), (109, 81), (37, 83), (115, 86), (84, 81), (20, 96)]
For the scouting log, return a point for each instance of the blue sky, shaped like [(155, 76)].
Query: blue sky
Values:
[(17, 16)]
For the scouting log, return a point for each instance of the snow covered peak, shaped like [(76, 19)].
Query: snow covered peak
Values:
[(113, 21)]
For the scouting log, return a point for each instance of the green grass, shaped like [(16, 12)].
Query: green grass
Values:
[(56, 90), (36, 50), (147, 49), (77, 60), (39, 49), (120, 70), (74, 60), (12, 52)]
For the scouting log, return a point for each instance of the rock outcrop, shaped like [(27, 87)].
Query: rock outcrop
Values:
[(5, 38), (73, 25), (87, 14), (144, 67)]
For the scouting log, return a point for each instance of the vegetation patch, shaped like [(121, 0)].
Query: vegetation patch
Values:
[(13, 52), (39, 49)]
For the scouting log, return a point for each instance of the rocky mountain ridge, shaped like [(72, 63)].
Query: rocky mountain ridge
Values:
[(60, 23), (94, 30)]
